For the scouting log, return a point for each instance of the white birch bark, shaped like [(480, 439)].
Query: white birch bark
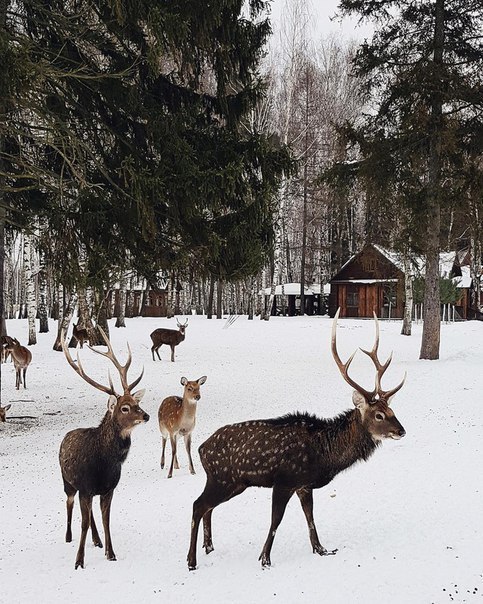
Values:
[(30, 297)]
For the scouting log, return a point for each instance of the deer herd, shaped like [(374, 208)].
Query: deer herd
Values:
[(292, 454)]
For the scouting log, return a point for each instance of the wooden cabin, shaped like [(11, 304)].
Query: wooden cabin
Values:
[(372, 280)]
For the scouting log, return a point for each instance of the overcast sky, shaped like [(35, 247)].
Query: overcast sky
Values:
[(322, 26)]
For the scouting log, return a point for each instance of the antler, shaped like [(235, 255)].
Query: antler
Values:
[(344, 367), (372, 354), (381, 367), (80, 370), (122, 369)]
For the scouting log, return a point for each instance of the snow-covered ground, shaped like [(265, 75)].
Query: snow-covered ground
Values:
[(408, 524)]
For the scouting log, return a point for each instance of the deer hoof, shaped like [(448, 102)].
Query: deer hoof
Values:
[(79, 563), (209, 548), (324, 552), (266, 562)]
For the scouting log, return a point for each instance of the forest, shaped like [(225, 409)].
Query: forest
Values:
[(160, 147)]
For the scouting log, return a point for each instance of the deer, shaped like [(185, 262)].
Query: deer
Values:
[(3, 412), (177, 415), (80, 334), (21, 360), (172, 337), (295, 453), (91, 458), (4, 340)]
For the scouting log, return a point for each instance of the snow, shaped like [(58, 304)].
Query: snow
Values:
[(408, 524)]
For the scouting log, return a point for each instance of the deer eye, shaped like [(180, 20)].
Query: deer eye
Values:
[(380, 416), (125, 409)]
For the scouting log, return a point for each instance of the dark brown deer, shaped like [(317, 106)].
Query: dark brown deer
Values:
[(172, 337), (295, 453), (177, 415), (80, 334), (3, 412), (21, 360), (91, 458)]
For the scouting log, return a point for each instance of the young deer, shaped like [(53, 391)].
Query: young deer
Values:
[(91, 458), (21, 360), (168, 336), (3, 412), (178, 416), (80, 335), (295, 453)]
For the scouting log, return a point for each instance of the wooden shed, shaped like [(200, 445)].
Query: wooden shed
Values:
[(372, 280)]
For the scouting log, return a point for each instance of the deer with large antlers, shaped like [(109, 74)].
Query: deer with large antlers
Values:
[(171, 337), (295, 453), (91, 458)]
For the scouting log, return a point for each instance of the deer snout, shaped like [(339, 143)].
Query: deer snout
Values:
[(197, 397), (145, 417), (398, 433)]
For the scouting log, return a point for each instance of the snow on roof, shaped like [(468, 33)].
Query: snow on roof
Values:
[(465, 280)]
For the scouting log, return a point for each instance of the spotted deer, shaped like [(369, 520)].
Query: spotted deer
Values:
[(171, 337), (91, 458), (295, 453), (177, 416), (22, 357), (3, 412), (80, 334)]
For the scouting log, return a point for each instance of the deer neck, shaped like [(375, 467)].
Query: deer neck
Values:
[(189, 408), (112, 435), (346, 440)]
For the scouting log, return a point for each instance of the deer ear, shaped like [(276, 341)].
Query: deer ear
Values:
[(358, 399), (111, 403), (183, 381), (202, 380), (138, 395), (7, 407)]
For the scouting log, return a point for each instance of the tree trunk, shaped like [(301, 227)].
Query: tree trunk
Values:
[(65, 319), (432, 313), (219, 299), (43, 296), (120, 320), (209, 312), (408, 296), (29, 288)]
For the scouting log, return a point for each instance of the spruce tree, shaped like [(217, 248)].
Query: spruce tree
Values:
[(423, 70)]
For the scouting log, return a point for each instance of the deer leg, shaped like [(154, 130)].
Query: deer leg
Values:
[(172, 353), (187, 442), (17, 379), (212, 496), (70, 492), (280, 498), (207, 540), (24, 374), (85, 506), (162, 451), (307, 501), (157, 352), (96, 540), (106, 514), (174, 460)]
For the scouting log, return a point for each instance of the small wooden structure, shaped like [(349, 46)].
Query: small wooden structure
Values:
[(287, 299), (372, 280)]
